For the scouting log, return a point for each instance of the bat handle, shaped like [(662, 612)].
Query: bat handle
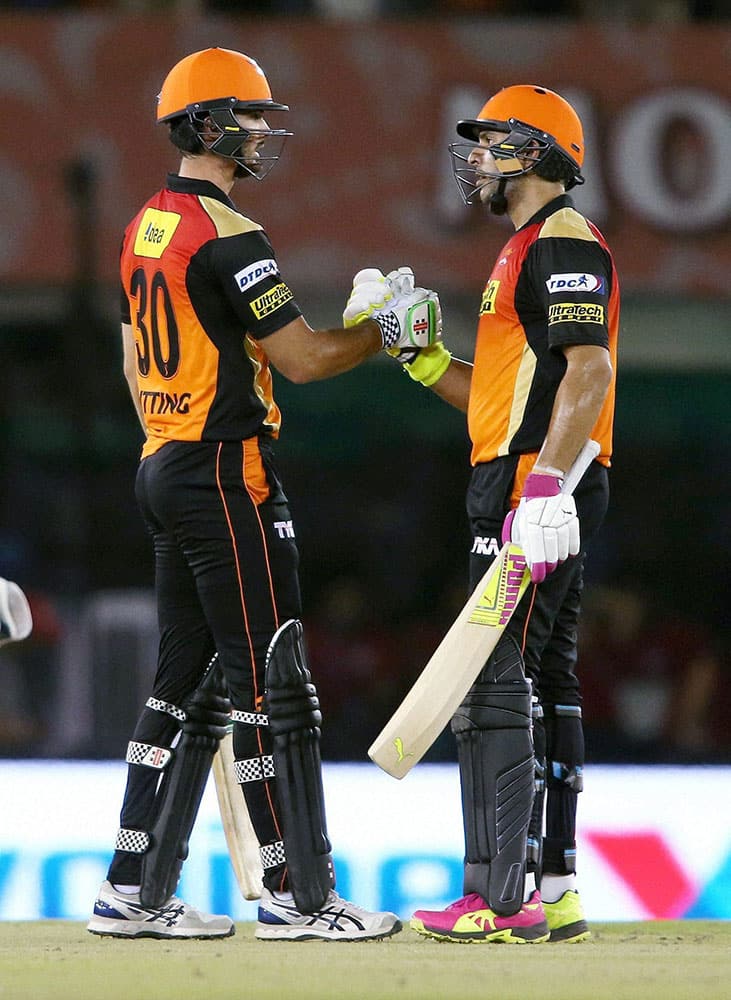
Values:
[(581, 463)]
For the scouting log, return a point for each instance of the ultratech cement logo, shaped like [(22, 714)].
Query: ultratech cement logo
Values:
[(254, 273), (272, 300), (575, 312)]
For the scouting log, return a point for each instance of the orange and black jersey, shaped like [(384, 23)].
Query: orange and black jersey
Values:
[(201, 287), (554, 285)]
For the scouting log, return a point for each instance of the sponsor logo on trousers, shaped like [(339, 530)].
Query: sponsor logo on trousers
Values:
[(485, 546)]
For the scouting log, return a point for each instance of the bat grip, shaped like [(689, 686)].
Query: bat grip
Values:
[(581, 463)]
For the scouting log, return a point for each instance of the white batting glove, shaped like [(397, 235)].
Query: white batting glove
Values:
[(16, 621), (545, 525), (410, 318)]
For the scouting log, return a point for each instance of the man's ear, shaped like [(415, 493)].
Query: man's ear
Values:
[(530, 152)]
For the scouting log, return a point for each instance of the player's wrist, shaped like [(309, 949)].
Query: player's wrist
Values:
[(429, 364), (542, 484)]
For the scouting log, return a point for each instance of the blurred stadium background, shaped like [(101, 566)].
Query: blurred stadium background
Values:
[(375, 468)]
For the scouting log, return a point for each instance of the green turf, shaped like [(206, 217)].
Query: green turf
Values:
[(639, 961)]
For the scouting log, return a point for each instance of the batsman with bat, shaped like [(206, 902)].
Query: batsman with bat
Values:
[(205, 311), (542, 384)]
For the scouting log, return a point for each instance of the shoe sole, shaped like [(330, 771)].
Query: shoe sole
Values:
[(508, 935), (268, 932), (571, 933), (121, 929)]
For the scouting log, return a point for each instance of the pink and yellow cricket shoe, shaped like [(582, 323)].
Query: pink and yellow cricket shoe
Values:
[(470, 919)]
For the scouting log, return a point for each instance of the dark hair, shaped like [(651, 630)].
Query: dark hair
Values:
[(184, 136), (555, 167)]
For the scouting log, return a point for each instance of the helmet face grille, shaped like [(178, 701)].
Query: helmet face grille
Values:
[(543, 112), (255, 151)]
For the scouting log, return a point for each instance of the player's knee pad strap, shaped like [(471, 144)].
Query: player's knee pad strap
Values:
[(497, 773), (206, 717), (294, 720), (563, 774)]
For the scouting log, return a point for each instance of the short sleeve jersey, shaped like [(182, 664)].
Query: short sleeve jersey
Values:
[(554, 285), (201, 288)]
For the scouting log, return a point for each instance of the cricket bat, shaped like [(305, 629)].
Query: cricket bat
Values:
[(458, 659), (243, 846)]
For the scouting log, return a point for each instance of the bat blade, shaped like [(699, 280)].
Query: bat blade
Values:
[(242, 843), (462, 653), (451, 671)]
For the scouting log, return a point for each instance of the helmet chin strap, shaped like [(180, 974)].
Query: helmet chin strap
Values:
[(498, 201)]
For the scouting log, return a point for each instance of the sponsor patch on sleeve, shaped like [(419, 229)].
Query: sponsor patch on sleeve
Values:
[(575, 282), (272, 300), (575, 312), (252, 274)]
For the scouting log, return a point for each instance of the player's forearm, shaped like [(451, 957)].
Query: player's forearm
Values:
[(576, 409), (309, 355), (454, 385)]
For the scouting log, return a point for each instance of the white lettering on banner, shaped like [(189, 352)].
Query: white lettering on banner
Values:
[(575, 283), (643, 155), (252, 274)]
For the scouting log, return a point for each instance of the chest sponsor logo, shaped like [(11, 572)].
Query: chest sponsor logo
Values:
[(272, 300), (487, 305), (252, 274), (154, 233), (575, 312), (575, 282)]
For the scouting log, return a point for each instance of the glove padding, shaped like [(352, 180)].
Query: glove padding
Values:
[(544, 524), (410, 318)]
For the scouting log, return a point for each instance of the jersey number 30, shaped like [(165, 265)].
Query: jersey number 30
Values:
[(155, 319)]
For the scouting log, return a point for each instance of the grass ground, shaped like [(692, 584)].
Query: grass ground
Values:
[(661, 960)]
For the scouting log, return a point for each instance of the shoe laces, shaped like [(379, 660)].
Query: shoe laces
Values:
[(473, 901)]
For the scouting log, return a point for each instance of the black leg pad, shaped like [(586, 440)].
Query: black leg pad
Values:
[(294, 723), (207, 715), (497, 775)]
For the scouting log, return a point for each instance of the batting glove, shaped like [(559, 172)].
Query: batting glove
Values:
[(410, 318), (544, 524)]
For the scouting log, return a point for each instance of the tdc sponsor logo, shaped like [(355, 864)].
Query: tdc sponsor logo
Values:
[(284, 529), (575, 283), (255, 273), (485, 546)]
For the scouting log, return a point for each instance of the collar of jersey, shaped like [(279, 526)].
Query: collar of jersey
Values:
[(191, 185), (562, 201)]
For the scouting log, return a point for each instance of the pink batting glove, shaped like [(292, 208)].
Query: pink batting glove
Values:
[(544, 524)]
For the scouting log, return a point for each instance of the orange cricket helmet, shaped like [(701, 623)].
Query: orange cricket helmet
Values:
[(208, 88), (212, 77), (529, 114)]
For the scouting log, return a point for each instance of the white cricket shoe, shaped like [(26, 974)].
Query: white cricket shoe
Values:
[(119, 914), (338, 920)]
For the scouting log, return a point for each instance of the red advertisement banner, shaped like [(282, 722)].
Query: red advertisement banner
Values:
[(365, 180)]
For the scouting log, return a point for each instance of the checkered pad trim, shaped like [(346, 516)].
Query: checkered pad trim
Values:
[(150, 756), (250, 718), (134, 841), (254, 769), (390, 328), (165, 706), (272, 854)]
